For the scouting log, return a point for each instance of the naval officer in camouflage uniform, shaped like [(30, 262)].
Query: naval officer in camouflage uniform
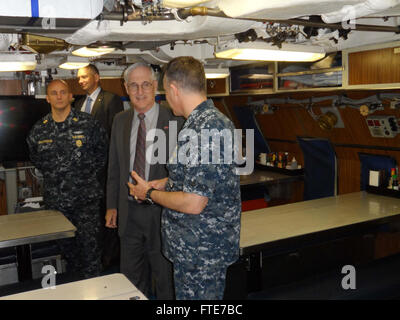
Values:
[(69, 147), (201, 219)]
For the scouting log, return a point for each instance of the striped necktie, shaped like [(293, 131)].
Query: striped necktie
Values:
[(139, 163), (88, 105)]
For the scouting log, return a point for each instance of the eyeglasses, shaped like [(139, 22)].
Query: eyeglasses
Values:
[(134, 87)]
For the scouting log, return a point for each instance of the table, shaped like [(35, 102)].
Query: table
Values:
[(270, 227), (23, 229), (110, 287), (286, 229), (275, 185), (263, 177)]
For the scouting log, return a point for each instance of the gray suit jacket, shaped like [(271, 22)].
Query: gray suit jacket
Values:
[(119, 158)]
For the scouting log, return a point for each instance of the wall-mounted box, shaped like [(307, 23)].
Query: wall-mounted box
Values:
[(382, 126), (218, 87)]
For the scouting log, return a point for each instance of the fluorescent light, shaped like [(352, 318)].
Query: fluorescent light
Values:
[(216, 73), (72, 62), (262, 51), (17, 62), (92, 52)]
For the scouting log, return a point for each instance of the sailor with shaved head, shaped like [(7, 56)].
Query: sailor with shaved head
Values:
[(69, 148)]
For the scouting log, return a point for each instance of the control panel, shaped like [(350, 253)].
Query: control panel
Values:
[(383, 126)]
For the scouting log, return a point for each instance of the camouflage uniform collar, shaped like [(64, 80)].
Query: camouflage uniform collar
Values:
[(200, 109), (72, 117)]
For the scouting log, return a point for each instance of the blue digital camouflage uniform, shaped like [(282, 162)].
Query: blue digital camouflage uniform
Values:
[(202, 246), (69, 154)]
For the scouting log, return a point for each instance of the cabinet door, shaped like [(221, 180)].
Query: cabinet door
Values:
[(380, 66)]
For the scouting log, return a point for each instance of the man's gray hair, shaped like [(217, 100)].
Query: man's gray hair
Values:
[(137, 65)]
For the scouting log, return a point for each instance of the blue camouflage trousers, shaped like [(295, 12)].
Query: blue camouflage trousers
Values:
[(199, 282), (83, 252)]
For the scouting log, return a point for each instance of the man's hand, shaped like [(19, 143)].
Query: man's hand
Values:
[(111, 218), (139, 190), (159, 184)]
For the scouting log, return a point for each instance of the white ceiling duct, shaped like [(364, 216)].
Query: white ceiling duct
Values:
[(199, 51), (365, 8), (197, 28), (278, 9), (6, 40), (164, 54)]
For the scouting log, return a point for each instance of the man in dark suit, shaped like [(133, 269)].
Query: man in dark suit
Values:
[(138, 222), (102, 105)]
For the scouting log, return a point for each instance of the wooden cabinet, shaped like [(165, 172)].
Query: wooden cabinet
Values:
[(217, 87), (380, 66)]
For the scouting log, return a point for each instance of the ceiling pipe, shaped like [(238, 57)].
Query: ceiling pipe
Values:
[(338, 26), (120, 16), (204, 11)]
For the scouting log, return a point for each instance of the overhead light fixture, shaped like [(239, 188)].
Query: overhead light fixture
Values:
[(12, 61), (262, 51), (72, 62), (216, 73), (92, 51)]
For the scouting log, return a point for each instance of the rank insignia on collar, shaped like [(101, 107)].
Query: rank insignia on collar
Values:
[(79, 143), (75, 119), (45, 121)]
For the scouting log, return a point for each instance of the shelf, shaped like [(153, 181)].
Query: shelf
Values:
[(315, 71), (252, 78), (288, 172), (383, 191)]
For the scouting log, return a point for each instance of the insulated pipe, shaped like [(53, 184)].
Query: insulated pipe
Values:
[(204, 11), (363, 9), (337, 26), (133, 17)]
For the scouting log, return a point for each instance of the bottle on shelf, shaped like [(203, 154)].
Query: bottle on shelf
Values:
[(293, 164)]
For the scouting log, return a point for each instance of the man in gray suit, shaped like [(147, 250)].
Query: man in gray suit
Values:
[(139, 223)]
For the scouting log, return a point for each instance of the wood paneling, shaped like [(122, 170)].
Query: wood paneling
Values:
[(10, 87), (374, 67), (112, 85), (216, 86)]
